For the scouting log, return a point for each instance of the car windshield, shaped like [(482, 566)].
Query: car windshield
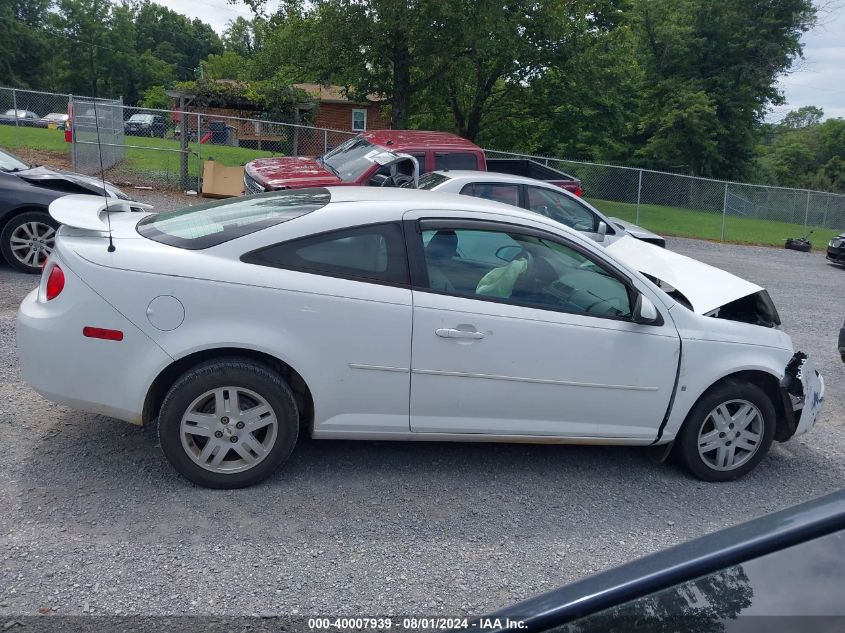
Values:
[(349, 160), (141, 118), (9, 163), (206, 225), (432, 180)]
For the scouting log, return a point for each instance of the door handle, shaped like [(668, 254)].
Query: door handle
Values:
[(452, 333)]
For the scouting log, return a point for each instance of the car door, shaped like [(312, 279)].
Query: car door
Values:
[(346, 295), (559, 207), (519, 332)]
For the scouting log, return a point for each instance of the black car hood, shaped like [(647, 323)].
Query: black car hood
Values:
[(59, 179)]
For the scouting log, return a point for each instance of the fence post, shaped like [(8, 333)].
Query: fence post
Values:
[(325, 141), (639, 194), (807, 209), (724, 212), (15, 106), (183, 145), (826, 207), (199, 153)]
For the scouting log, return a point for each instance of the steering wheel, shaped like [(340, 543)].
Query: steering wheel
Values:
[(396, 178), (529, 269)]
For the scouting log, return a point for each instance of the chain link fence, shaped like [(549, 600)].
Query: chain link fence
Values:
[(166, 149), (32, 125), (675, 204), (145, 147)]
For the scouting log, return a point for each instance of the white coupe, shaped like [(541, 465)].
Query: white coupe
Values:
[(393, 314)]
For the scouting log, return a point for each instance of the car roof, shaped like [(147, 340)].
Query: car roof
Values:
[(420, 199), (402, 140), (492, 176)]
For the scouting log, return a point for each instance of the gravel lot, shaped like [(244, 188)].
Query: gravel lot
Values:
[(95, 521)]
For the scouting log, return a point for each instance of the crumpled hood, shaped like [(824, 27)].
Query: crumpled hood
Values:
[(706, 287), (45, 174), (291, 171)]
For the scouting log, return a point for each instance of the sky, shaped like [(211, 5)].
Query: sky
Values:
[(818, 79)]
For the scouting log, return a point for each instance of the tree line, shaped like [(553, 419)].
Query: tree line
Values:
[(678, 85)]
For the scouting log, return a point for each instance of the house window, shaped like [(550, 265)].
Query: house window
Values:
[(359, 120)]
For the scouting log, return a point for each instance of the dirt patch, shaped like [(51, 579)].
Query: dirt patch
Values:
[(56, 160)]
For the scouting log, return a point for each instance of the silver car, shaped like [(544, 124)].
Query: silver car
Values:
[(540, 197)]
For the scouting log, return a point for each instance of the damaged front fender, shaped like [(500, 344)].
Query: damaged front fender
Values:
[(802, 388)]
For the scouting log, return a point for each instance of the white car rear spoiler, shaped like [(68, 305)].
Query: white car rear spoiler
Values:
[(82, 211)]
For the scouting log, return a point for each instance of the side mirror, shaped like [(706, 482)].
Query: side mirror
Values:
[(645, 312), (601, 232)]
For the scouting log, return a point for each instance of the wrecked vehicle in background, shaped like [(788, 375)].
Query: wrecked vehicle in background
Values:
[(27, 231)]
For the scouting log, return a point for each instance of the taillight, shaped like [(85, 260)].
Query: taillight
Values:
[(578, 192), (55, 282)]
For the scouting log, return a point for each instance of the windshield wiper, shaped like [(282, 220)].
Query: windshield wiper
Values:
[(329, 167)]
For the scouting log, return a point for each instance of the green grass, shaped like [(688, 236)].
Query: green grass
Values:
[(144, 162), (687, 223), (167, 162), (12, 138)]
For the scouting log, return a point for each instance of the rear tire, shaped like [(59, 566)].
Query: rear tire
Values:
[(728, 431), (228, 423), (27, 240)]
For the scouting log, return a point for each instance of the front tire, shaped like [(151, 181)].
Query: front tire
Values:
[(228, 423), (728, 431), (28, 239)]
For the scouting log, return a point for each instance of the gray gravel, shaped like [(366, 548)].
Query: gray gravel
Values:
[(94, 520)]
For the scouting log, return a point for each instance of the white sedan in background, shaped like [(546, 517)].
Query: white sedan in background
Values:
[(541, 197), (392, 314)]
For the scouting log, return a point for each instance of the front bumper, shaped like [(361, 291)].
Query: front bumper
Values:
[(836, 254), (805, 388)]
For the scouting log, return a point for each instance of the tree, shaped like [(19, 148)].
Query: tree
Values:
[(507, 55), (385, 47), (802, 151), (805, 116), (244, 37), (25, 51), (710, 68)]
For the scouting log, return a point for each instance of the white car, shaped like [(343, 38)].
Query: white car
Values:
[(541, 197), (392, 314)]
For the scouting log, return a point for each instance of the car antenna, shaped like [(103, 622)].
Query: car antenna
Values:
[(111, 248)]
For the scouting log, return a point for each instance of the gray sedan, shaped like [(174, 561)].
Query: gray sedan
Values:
[(540, 197)]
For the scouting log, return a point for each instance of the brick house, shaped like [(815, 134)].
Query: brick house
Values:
[(330, 109), (337, 112)]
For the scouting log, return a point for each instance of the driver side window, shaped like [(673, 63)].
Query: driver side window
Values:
[(521, 269), (561, 208)]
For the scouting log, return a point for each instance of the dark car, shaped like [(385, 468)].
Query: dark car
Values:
[(19, 117), (145, 125), (836, 249), (27, 231), (842, 343), (790, 564)]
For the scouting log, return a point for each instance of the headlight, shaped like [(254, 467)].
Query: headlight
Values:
[(835, 243)]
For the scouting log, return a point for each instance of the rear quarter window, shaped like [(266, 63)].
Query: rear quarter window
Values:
[(206, 225), (458, 160)]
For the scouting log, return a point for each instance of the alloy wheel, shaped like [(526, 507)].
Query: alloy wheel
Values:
[(32, 242), (228, 430), (730, 435)]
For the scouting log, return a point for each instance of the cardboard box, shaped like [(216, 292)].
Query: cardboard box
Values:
[(219, 181)]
